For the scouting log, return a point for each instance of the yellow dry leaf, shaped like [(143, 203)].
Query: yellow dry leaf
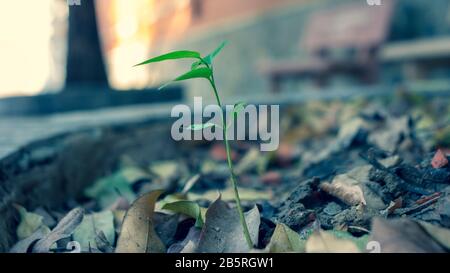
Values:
[(346, 189), (137, 234), (325, 242), (228, 195)]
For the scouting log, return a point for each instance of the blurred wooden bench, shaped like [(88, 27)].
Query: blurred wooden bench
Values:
[(418, 58), (344, 40)]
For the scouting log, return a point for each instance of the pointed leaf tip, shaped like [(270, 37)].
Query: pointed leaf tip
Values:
[(209, 59), (182, 54)]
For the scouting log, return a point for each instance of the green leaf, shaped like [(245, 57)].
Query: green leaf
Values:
[(210, 58), (197, 127), (107, 189), (285, 239), (29, 222), (196, 64), (183, 54), (188, 208), (202, 72)]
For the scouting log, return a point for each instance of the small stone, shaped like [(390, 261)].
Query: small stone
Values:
[(332, 209), (439, 160), (295, 216)]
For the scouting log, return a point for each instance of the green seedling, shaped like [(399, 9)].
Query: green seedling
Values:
[(203, 68)]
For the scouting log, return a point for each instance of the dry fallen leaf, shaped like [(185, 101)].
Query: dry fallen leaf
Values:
[(346, 189), (440, 235), (138, 234), (402, 236), (228, 195), (189, 244), (166, 226), (29, 222), (439, 160), (222, 231), (86, 233), (63, 229), (285, 239), (325, 242), (24, 245)]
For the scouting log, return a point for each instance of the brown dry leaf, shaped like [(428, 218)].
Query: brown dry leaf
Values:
[(63, 229), (189, 244), (222, 231), (440, 235), (346, 189), (324, 242), (24, 245), (138, 234), (284, 240), (228, 195), (402, 236), (439, 160)]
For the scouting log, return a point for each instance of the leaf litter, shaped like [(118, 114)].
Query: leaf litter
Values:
[(341, 182)]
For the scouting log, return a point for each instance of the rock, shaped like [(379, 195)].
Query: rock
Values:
[(354, 216), (295, 216), (332, 209), (303, 193), (390, 182)]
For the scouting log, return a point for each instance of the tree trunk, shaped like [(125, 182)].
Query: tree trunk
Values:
[(85, 65)]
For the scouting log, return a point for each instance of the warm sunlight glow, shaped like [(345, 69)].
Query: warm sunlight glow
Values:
[(25, 46), (129, 31)]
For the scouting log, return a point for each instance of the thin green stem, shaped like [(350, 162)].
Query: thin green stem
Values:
[(231, 168)]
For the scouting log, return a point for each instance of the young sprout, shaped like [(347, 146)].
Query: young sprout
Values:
[(203, 68)]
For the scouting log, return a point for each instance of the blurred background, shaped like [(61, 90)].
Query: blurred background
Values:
[(45, 44), (62, 56), (348, 76)]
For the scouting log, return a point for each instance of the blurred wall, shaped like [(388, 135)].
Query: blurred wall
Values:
[(257, 30), (275, 33)]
